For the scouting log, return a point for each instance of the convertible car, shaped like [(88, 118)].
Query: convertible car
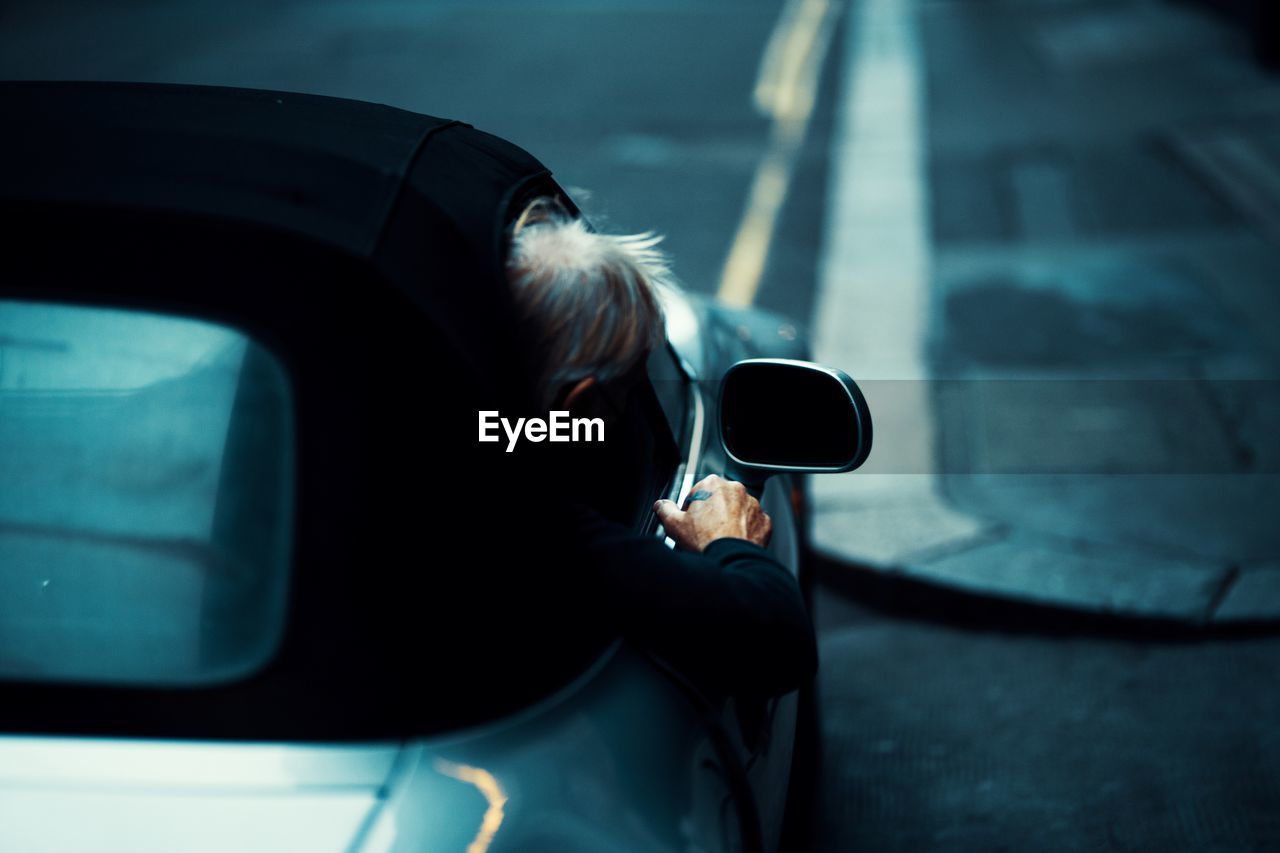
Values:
[(248, 538)]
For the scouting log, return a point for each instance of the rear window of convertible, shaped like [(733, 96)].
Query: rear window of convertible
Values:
[(146, 490)]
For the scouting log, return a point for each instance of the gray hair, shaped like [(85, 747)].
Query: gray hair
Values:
[(590, 301)]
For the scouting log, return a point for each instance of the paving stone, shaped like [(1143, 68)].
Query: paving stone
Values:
[(882, 521), (1227, 519), (1089, 577), (1255, 595)]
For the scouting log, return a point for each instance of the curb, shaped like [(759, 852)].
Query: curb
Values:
[(898, 595)]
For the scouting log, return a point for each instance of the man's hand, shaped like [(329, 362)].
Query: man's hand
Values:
[(727, 512)]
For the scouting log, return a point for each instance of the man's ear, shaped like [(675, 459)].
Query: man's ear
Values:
[(576, 394)]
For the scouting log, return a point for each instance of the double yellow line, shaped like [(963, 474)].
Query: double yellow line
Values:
[(786, 88)]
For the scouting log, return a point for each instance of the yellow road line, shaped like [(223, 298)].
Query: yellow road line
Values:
[(786, 88), (488, 786)]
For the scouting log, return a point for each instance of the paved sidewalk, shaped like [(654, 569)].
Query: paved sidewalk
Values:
[(1052, 258)]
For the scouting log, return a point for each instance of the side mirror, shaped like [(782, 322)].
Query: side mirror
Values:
[(783, 415)]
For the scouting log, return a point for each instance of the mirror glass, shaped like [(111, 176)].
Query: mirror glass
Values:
[(793, 415)]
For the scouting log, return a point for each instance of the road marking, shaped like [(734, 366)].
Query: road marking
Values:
[(484, 782), (871, 311), (872, 304), (785, 91)]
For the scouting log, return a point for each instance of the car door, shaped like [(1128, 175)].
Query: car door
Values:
[(766, 728), (761, 731)]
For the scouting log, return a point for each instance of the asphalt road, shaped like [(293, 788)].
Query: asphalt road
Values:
[(964, 724)]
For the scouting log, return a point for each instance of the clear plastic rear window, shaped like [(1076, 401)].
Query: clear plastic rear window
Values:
[(146, 491)]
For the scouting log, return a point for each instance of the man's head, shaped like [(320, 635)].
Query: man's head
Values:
[(589, 302)]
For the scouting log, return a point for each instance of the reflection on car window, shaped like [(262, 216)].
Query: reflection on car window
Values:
[(671, 388), (146, 476)]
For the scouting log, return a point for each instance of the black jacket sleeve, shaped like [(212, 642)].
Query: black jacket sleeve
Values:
[(732, 617)]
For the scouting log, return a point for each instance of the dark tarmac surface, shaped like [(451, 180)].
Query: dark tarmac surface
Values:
[(990, 727)]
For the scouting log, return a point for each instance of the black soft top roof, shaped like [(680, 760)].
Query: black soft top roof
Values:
[(417, 201), (329, 168)]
